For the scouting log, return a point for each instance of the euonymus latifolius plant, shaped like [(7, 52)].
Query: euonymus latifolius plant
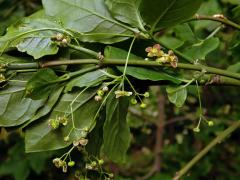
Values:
[(82, 63)]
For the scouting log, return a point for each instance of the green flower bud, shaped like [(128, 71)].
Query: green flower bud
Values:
[(89, 167), (143, 105), (146, 94), (210, 123), (66, 139), (63, 120), (105, 89), (100, 161), (133, 101), (111, 175), (71, 163), (100, 92), (196, 129), (94, 164)]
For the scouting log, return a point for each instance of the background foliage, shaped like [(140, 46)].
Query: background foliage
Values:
[(203, 40)]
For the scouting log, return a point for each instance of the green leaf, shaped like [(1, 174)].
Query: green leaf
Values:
[(90, 79), (164, 13), (202, 49), (171, 41), (236, 13), (208, 8), (52, 100), (116, 132), (177, 95), (234, 68), (15, 109), (96, 136), (90, 19), (40, 137), (139, 72), (33, 36), (185, 33), (42, 84), (126, 11)]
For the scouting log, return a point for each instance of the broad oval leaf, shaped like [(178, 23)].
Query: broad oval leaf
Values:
[(201, 49), (15, 109), (91, 19), (116, 131), (164, 13), (126, 11), (90, 79)]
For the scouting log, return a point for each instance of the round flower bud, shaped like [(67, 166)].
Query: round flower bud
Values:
[(64, 41), (98, 98), (133, 101), (146, 94), (89, 167), (100, 161), (75, 143), (210, 123), (59, 37), (100, 92), (71, 163), (143, 105), (105, 89), (197, 129), (83, 141), (94, 163), (66, 139)]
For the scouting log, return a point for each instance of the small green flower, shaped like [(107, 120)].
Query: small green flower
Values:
[(143, 105), (2, 78), (119, 93), (93, 163), (66, 138), (146, 95), (100, 161), (63, 120), (210, 123), (54, 123), (196, 129), (100, 92)]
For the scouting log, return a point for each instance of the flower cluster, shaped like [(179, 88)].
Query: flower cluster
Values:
[(63, 164), (158, 54), (55, 123), (100, 93), (61, 39)]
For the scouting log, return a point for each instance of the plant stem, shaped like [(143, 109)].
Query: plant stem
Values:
[(202, 153), (121, 62), (222, 20), (20, 66)]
